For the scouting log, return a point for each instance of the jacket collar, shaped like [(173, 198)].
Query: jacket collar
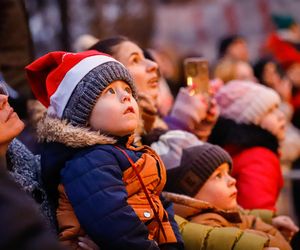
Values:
[(188, 207), (51, 129)]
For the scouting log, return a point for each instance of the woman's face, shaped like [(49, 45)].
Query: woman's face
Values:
[(143, 71), (10, 123), (270, 75), (293, 73)]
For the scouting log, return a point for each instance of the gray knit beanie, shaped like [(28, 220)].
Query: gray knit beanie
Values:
[(68, 84), (196, 166), (87, 91)]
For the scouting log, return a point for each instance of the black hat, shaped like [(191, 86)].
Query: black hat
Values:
[(196, 166)]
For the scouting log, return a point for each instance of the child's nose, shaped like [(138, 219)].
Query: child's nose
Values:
[(3, 101), (281, 115), (125, 96), (231, 180)]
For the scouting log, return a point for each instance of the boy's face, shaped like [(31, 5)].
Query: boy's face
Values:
[(116, 111), (219, 190), (274, 122)]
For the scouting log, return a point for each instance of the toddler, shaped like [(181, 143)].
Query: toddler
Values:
[(107, 187), (203, 192)]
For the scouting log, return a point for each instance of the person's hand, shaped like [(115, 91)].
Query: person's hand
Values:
[(189, 109), (271, 248), (87, 244), (204, 128), (285, 225), (148, 111), (215, 85)]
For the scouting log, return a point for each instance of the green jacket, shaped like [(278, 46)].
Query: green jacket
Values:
[(206, 227), (197, 236), (265, 214)]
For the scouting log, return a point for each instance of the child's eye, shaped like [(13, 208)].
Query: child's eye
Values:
[(128, 90), (111, 91), (219, 176)]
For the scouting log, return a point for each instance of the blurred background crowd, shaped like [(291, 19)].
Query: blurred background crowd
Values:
[(257, 40), (175, 28)]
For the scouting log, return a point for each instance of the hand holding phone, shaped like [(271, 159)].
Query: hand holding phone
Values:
[(197, 75)]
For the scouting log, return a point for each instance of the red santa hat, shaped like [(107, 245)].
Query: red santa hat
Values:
[(55, 76)]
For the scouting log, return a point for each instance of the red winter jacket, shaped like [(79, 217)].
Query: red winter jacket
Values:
[(259, 178), (256, 164)]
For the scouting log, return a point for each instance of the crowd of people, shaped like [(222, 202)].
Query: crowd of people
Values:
[(124, 164)]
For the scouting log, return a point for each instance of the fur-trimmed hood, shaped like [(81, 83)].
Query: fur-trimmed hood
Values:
[(188, 207), (60, 141), (55, 130)]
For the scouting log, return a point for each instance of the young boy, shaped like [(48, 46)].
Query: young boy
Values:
[(112, 186), (203, 192)]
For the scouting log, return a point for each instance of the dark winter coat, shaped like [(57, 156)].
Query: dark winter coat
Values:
[(21, 224), (98, 183)]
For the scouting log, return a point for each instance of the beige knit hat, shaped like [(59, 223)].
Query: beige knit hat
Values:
[(171, 144), (246, 102)]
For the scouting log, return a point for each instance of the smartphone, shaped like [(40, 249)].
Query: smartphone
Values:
[(197, 74)]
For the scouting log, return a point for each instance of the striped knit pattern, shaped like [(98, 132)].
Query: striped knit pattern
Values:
[(246, 102), (87, 91), (197, 165)]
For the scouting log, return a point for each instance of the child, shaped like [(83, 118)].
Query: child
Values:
[(250, 128), (228, 69), (204, 192), (112, 186), (189, 113)]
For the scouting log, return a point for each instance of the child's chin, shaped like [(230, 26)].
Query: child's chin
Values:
[(281, 137), (125, 133), (232, 206), (131, 127)]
